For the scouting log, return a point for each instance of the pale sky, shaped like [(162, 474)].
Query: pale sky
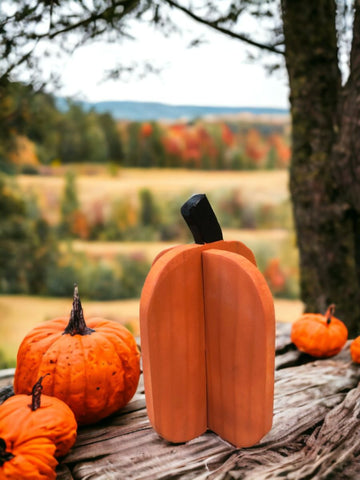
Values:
[(215, 73)]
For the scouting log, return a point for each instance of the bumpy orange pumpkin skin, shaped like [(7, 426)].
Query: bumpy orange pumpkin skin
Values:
[(319, 335), (355, 350), (33, 430), (27, 460), (93, 367), (28, 417)]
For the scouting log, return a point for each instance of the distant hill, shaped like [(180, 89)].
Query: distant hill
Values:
[(142, 111)]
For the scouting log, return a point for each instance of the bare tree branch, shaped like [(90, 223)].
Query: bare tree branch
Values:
[(105, 14), (230, 33)]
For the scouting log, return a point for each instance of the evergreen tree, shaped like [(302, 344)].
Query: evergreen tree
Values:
[(69, 204)]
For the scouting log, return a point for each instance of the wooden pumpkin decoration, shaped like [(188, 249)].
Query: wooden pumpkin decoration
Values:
[(39, 416), (355, 350), (207, 336), (93, 367), (32, 431), (319, 335)]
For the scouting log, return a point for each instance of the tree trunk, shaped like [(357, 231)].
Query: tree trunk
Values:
[(325, 220), (346, 152)]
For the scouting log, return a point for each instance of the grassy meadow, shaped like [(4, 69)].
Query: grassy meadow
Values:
[(98, 185)]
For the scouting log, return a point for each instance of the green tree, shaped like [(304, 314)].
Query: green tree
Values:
[(112, 138), (69, 204), (27, 247), (133, 151), (149, 212)]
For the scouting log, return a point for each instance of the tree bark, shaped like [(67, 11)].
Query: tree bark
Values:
[(326, 221)]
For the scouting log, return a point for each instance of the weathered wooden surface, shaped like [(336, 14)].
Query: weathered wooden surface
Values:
[(315, 433)]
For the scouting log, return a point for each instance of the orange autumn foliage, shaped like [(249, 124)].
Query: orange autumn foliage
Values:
[(24, 152), (255, 148), (274, 275), (146, 129), (227, 135), (80, 225), (283, 151)]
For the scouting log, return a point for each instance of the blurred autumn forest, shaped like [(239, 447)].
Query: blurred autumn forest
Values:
[(35, 133), (38, 139)]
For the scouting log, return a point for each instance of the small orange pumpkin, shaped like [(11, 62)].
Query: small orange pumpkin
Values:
[(27, 460), (319, 335), (38, 416), (32, 432), (93, 367), (355, 350)]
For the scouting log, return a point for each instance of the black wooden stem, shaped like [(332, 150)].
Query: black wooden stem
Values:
[(77, 325), (201, 219)]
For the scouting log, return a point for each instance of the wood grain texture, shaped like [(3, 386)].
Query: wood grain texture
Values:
[(173, 345), (315, 433), (240, 348), (172, 327)]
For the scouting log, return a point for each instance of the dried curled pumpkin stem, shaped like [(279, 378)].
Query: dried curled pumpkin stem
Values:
[(77, 325), (36, 394), (330, 313), (4, 455)]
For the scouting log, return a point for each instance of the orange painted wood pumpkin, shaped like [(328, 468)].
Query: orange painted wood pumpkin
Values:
[(207, 336), (355, 350), (33, 430), (94, 367), (319, 335)]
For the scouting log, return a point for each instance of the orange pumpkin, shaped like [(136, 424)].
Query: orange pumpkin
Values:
[(38, 416), (27, 460), (93, 367), (207, 337), (319, 335), (355, 350), (32, 432)]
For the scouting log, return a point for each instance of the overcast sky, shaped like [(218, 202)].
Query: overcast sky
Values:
[(215, 73)]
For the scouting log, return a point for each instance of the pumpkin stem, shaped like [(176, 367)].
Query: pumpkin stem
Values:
[(77, 325), (4, 455), (36, 394), (330, 313), (201, 219)]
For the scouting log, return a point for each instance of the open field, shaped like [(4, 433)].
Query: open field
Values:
[(254, 239), (266, 187), (259, 184), (19, 314)]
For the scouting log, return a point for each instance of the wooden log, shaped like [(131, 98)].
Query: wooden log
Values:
[(315, 434), (304, 397)]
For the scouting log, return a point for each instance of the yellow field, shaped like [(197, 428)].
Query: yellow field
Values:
[(252, 238), (269, 186), (19, 314)]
